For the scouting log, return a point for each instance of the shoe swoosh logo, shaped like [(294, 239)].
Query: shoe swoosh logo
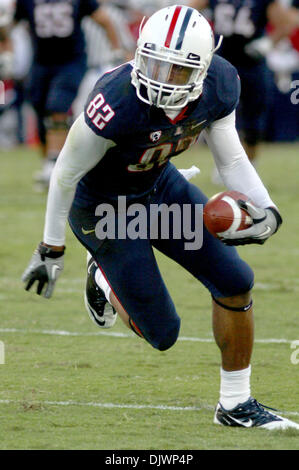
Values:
[(246, 424), (198, 124), (55, 268), (87, 232), (89, 267)]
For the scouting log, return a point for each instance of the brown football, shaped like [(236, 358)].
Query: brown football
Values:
[(222, 214)]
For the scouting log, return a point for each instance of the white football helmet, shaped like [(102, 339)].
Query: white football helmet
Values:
[(174, 51)]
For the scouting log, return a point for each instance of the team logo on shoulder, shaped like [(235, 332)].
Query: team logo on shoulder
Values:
[(155, 136), (179, 130)]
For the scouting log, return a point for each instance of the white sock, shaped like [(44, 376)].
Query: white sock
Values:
[(234, 387), (102, 283)]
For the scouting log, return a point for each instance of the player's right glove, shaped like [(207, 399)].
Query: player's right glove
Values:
[(44, 267), (259, 48), (266, 222)]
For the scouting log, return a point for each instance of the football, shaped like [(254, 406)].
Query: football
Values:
[(222, 215)]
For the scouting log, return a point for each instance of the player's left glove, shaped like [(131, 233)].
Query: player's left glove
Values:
[(44, 267), (259, 48), (265, 223), (189, 173)]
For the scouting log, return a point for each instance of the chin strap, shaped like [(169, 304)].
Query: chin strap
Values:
[(218, 44)]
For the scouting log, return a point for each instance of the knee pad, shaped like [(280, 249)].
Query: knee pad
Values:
[(56, 125)]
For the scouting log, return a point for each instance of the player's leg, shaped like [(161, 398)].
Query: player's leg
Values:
[(57, 127), (38, 88), (229, 280), (233, 329), (97, 296), (220, 269), (137, 289), (62, 92), (103, 304), (252, 108)]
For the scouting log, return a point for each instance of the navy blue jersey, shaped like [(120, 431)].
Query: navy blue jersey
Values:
[(55, 27), (145, 137), (240, 22)]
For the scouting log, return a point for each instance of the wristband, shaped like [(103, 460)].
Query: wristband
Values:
[(277, 217), (46, 251)]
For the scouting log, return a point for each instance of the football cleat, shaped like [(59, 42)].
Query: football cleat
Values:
[(251, 414), (97, 306)]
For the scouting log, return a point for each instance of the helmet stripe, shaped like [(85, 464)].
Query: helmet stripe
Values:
[(183, 28), (172, 26)]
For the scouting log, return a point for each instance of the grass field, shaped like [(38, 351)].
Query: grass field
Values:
[(66, 384)]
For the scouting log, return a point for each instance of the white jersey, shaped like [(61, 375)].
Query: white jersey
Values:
[(100, 56), (98, 46)]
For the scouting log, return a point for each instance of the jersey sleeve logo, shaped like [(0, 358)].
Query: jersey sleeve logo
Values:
[(155, 136), (99, 112)]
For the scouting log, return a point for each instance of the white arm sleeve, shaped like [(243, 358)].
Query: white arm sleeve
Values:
[(82, 150), (231, 160)]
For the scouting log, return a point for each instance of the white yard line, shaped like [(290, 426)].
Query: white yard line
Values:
[(128, 406), (125, 405), (116, 334), (112, 405)]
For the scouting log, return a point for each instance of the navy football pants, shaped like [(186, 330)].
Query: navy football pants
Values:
[(53, 88), (132, 271), (253, 102)]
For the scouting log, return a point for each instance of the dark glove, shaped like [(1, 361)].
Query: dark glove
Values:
[(45, 266)]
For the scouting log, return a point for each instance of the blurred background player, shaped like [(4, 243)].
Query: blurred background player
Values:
[(246, 43), (6, 62), (6, 54), (122, 15), (59, 64), (15, 64)]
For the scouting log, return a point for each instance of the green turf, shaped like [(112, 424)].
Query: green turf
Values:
[(42, 370)]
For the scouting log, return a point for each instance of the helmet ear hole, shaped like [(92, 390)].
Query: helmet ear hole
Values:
[(175, 48)]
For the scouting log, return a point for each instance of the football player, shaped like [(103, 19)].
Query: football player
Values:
[(137, 117), (6, 53), (242, 23), (59, 65)]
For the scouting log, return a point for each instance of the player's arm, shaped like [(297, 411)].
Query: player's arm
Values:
[(83, 149), (238, 174), (283, 20), (198, 4), (101, 17)]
